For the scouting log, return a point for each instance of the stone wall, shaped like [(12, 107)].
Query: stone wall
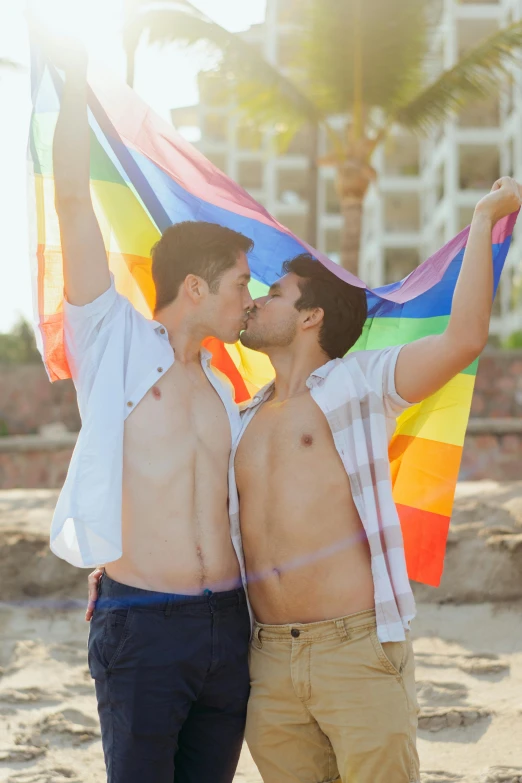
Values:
[(492, 450), (498, 388), (35, 461), (28, 402)]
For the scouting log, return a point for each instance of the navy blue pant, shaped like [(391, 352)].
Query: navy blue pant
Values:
[(172, 683)]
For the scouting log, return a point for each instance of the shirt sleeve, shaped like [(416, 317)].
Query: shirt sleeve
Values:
[(82, 324), (379, 370)]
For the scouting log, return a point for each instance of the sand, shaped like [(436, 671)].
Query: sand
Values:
[(467, 640)]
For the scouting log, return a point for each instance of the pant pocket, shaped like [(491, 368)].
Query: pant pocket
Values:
[(391, 655), (107, 637)]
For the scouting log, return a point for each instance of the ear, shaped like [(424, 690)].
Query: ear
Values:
[(313, 318), (195, 288)]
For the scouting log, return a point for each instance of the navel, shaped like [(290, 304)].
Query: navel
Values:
[(307, 440), (156, 393)]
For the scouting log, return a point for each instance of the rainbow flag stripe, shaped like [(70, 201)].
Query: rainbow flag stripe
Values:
[(144, 177)]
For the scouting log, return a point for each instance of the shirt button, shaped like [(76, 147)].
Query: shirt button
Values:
[(160, 369), (295, 633), (162, 331), (130, 404)]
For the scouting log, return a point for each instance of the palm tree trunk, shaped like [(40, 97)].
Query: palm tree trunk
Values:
[(354, 177)]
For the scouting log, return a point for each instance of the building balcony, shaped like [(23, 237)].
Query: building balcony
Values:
[(475, 9)]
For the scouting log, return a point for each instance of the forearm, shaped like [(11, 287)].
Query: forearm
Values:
[(473, 297), (85, 267), (71, 150)]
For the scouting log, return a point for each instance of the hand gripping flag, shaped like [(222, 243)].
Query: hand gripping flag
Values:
[(145, 177)]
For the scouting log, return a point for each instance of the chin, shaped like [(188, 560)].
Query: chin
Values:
[(230, 338)]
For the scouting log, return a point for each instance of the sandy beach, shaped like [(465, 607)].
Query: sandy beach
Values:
[(467, 640)]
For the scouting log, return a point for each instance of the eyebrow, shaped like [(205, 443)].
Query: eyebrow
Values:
[(274, 287), (246, 277)]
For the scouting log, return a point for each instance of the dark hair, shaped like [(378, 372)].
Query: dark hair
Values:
[(194, 248), (344, 305)]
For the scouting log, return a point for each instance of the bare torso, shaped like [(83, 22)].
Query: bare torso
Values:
[(306, 553), (176, 534)]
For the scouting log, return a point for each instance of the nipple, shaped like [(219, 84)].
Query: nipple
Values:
[(156, 393), (307, 440)]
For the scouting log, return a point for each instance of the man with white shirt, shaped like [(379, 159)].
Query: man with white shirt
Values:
[(331, 665), (146, 492)]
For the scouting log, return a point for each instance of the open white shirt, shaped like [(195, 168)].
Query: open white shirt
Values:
[(115, 355)]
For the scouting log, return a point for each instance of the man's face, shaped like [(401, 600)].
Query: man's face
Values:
[(229, 306), (273, 321)]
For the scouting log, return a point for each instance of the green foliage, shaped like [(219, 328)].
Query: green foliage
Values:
[(513, 341), (339, 50), (19, 346)]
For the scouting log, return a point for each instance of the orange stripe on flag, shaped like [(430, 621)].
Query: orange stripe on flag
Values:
[(425, 536), (424, 473), (222, 361)]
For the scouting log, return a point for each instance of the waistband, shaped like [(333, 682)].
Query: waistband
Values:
[(115, 595), (342, 627)]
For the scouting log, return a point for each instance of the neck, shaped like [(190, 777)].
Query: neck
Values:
[(185, 336), (293, 370)]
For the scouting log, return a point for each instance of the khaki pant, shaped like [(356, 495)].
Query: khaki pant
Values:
[(329, 702)]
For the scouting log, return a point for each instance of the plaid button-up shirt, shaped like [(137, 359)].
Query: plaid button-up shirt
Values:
[(358, 398)]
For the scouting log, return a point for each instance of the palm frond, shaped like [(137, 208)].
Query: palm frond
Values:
[(475, 76), (10, 65), (258, 82), (393, 40)]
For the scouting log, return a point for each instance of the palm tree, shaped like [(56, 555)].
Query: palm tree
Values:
[(362, 59)]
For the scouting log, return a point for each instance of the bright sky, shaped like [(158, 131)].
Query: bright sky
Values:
[(164, 78)]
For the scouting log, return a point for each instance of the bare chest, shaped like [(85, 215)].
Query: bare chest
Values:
[(180, 412), (285, 437)]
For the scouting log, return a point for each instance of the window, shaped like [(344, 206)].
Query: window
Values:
[(297, 224), (402, 157), (250, 174), (249, 138), (479, 166), (481, 114), (401, 212), (215, 128), (465, 217), (399, 262), (292, 186), (332, 243)]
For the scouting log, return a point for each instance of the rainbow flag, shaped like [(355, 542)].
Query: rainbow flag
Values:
[(144, 177)]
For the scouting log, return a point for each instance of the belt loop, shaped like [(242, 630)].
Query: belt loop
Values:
[(168, 607), (343, 631), (256, 640)]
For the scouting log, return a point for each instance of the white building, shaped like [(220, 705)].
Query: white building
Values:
[(426, 190)]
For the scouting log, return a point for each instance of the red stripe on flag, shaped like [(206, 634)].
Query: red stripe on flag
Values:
[(222, 361), (425, 535)]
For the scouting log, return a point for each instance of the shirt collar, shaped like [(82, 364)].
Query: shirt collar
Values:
[(321, 373), (313, 380), (258, 398), (204, 353)]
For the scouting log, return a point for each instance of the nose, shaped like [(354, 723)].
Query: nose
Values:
[(249, 302)]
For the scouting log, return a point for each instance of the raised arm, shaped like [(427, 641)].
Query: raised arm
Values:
[(426, 365), (86, 270)]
